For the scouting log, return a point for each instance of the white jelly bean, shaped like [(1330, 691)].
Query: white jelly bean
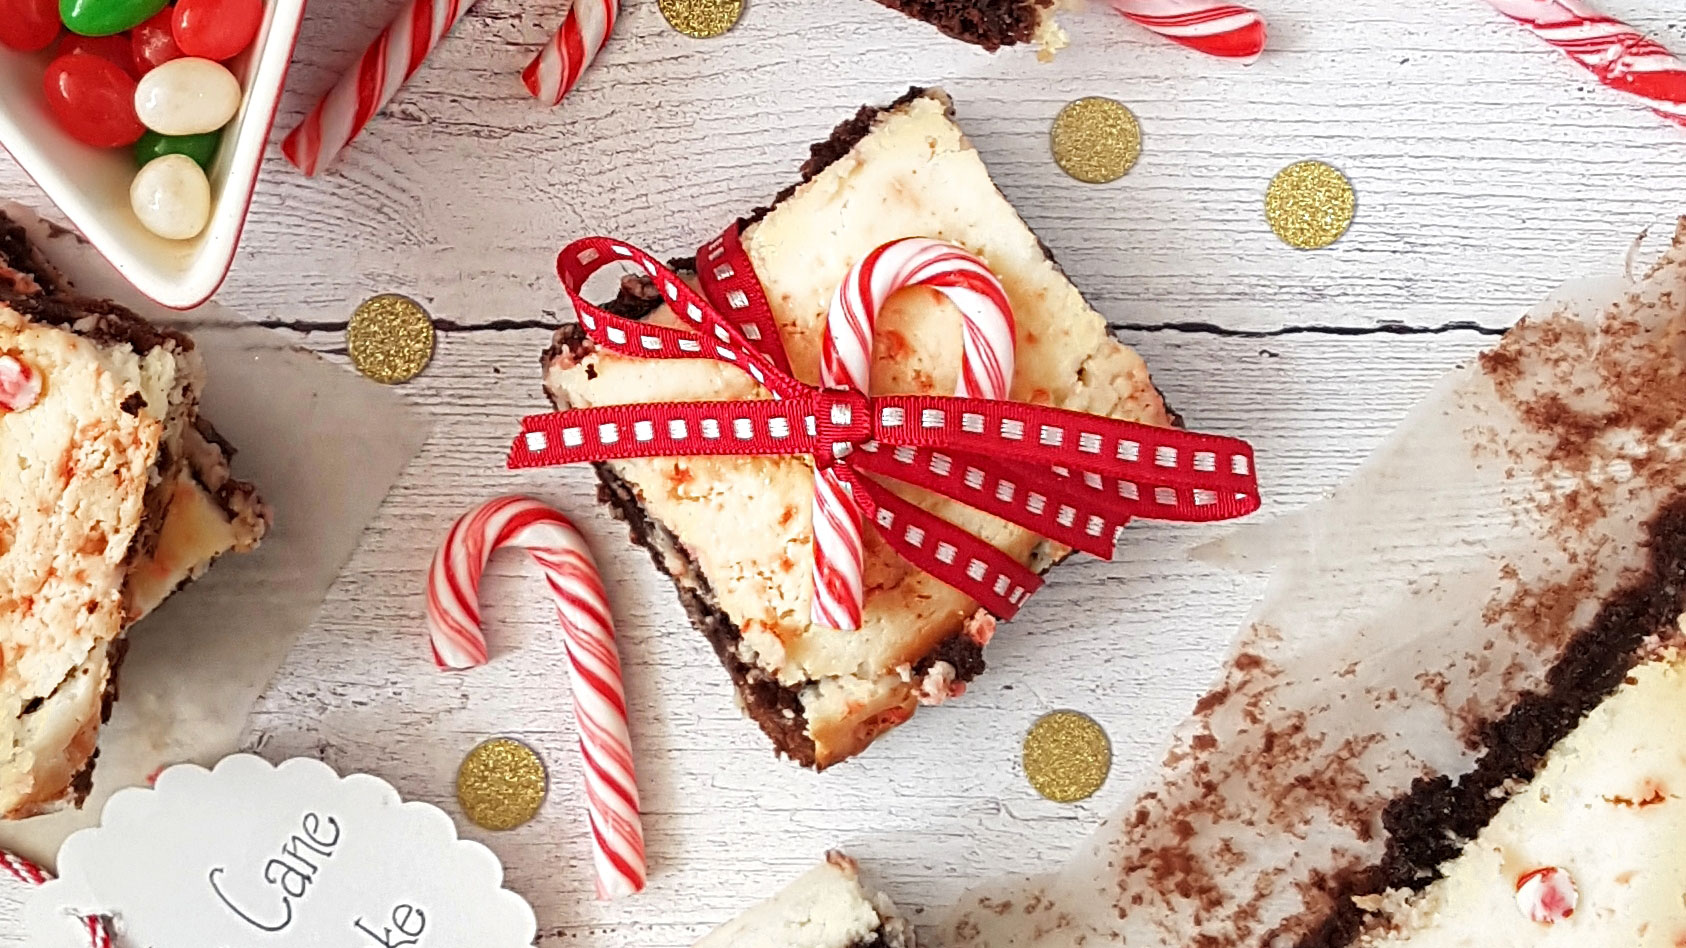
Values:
[(172, 196), (187, 96)]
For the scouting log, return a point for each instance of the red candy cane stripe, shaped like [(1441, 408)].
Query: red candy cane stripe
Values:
[(453, 619), (583, 34), (387, 64), (846, 362), (1227, 30), (28, 873), (1619, 55), (1547, 895)]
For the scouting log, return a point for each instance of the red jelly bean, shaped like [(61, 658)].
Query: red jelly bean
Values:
[(113, 48), (28, 25), (93, 100), (154, 41), (217, 29)]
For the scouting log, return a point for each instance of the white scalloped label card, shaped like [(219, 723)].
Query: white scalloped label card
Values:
[(283, 856)]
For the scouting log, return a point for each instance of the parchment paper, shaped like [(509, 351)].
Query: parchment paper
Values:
[(1414, 605), (324, 446)]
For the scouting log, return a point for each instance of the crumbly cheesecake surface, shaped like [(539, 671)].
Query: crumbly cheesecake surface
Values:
[(1608, 809), (736, 533), (826, 908), (991, 24), (112, 495)]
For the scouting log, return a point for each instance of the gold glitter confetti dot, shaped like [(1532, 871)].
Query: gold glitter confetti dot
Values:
[(1096, 140), (501, 784), (390, 338), (1310, 205), (1066, 756), (703, 19)]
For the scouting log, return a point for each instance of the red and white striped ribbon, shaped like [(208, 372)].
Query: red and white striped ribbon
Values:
[(846, 362), (453, 618), (583, 34), (387, 64), (1620, 56), (28, 873), (1227, 30)]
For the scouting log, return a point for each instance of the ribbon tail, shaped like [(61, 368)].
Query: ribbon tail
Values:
[(996, 581), (1198, 470), (1179, 505), (1038, 501)]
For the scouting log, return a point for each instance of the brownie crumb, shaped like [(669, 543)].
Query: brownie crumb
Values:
[(991, 24)]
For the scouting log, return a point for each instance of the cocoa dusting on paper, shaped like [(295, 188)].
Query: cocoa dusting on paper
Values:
[(1428, 632)]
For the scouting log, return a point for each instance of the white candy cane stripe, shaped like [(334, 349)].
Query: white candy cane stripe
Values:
[(846, 361), (453, 618), (1619, 55), (28, 873), (583, 34), (1227, 30), (390, 60)]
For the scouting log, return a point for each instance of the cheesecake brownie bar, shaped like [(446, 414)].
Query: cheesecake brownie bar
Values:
[(116, 493), (826, 908), (734, 532)]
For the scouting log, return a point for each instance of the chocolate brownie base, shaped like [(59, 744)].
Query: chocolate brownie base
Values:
[(33, 287), (991, 24), (1432, 823)]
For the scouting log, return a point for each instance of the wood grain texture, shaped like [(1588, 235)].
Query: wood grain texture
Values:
[(1487, 169)]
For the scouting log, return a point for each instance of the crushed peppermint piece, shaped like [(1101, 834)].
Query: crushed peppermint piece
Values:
[(1546, 895), (20, 385)]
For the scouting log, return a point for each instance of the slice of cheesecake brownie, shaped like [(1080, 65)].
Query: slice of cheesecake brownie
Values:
[(734, 533), (1591, 852), (991, 24), (826, 908), (115, 494)]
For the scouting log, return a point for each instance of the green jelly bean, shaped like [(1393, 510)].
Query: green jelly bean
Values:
[(201, 148), (107, 17)]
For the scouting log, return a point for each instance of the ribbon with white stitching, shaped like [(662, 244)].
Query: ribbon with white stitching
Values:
[(1071, 477)]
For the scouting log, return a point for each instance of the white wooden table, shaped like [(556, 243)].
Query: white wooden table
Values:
[(1487, 169)]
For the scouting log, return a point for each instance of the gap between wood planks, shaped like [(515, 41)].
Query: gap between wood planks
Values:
[(307, 327)]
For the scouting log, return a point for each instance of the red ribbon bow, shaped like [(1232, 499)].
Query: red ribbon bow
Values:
[(1071, 477)]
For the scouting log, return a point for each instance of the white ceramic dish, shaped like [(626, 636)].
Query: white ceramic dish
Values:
[(91, 187)]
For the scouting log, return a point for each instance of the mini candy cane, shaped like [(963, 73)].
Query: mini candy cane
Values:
[(583, 34), (1218, 29), (30, 874), (846, 361), (388, 63), (453, 618), (1619, 55)]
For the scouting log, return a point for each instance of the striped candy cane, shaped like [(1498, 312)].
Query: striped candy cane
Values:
[(584, 33), (387, 64), (1218, 29), (28, 873), (453, 618), (1619, 55), (846, 362)]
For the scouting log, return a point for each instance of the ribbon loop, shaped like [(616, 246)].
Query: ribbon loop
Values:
[(1071, 477)]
